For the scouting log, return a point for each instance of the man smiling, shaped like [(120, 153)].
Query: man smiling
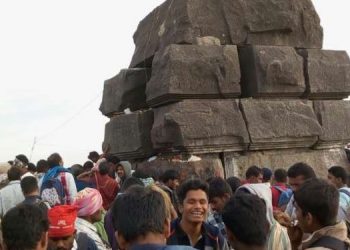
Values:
[(191, 229)]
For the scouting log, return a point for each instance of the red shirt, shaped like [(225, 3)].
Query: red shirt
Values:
[(276, 193)]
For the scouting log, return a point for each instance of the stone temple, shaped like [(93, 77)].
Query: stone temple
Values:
[(215, 86)]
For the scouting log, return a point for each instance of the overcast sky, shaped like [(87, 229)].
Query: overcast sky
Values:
[(55, 56)]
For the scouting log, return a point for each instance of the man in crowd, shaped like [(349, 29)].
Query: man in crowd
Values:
[(11, 194), (297, 175), (267, 175), (170, 182), (246, 223), (254, 175), (219, 194), (316, 210), (93, 156), (279, 188), (62, 232), (66, 180), (21, 161), (30, 190), (138, 228), (25, 227), (337, 176), (89, 205), (191, 229)]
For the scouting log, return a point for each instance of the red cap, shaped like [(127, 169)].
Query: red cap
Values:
[(62, 221)]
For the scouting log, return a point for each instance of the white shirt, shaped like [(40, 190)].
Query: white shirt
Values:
[(10, 196), (86, 227)]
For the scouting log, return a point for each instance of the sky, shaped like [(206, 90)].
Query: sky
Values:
[(55, 57)]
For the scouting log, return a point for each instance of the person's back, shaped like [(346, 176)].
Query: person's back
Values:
[(57, 186), (280, 189), (11, 194)]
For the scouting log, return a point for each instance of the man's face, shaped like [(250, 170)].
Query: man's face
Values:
[(120, 171), (173, 184), (255, 179), (218, 203), (62, 243), (97, 216), (296, 182), (337, 182), (195, 206), (304, 220)]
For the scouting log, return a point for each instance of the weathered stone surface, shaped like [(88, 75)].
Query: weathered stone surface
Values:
[(292, 23), (334, 117), (204, 166), (191, 71), (327, 74), (271, 71), (199, 126), (236, 164), (274, 124), (125, 90), (128, 136)]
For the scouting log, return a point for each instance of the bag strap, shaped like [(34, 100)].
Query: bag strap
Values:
[(65, 188), (278, 189), (344, 192), (331, 243)]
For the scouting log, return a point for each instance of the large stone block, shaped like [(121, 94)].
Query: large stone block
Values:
[(191, 71), (271, 71), (292, 23), (125, 90), (128, 136), (327, 74), (274, 124), (334, 117), (236, 164), (199, 126)]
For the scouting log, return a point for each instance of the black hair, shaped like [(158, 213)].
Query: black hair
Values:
[(301, 169), (245, 216), (14, 174), (76, 170), (93, 154), (134, 213), (42, 166), (88, 165), (319, 198), (280, 175), (129, 182), (54, 160), (112, 158), (218, 187), (31, 167), (189, 185), (23, 159), (170, 174), (103, 168), (23, 226), (267, 174), (339, 172), (234, 183), (253, 171), (29, 184)]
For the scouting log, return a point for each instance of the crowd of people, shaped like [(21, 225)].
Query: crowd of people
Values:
[(105, 204)]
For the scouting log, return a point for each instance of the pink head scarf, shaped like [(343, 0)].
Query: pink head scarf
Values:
[(88, 201)]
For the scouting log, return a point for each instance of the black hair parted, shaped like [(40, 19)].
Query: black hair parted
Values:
[(320, 199), (253, 171)]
